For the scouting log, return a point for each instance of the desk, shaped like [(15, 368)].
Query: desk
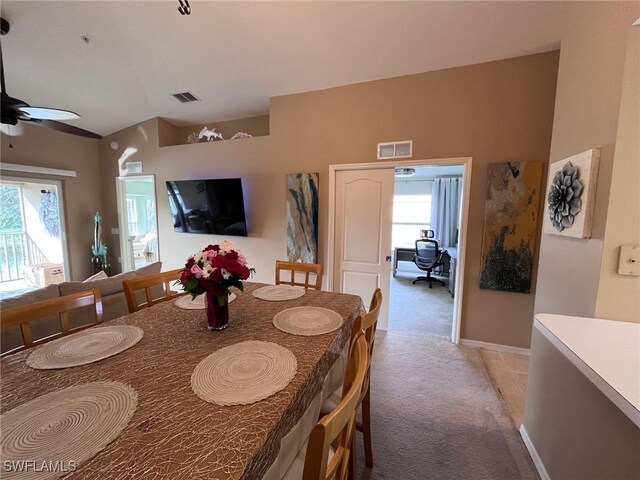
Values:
[(401, 254), (174, 434)]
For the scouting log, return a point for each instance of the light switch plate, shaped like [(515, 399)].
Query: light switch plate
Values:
[(629, 263)]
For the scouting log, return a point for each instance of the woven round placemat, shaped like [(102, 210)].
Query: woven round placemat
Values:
[(197, 303), (84, 347), (64, 428), (244, 373), (307, 321), (278, 293)]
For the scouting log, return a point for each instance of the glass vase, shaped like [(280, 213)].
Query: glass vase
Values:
[(217, 308)]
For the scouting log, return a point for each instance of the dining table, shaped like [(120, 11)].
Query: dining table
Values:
[(173, 433)]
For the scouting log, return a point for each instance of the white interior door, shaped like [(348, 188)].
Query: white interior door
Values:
[(363, 214)]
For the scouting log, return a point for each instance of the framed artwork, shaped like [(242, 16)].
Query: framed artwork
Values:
[(571, 193), (302, 217), (510, 225)]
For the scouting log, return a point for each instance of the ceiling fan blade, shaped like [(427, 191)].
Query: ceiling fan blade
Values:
[(63, 127), (43, 113)]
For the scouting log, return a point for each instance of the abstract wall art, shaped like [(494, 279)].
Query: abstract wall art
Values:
[(302, 217), (571, 192), (510, 224)]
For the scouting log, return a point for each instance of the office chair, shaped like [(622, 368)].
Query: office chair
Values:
[(428, 256)]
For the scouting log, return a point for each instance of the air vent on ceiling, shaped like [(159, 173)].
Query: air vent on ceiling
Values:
[(186, 97)]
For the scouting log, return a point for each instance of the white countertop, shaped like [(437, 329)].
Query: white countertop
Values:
[(606, 351)]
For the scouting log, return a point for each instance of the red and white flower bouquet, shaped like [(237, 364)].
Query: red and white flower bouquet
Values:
[(213, 271)]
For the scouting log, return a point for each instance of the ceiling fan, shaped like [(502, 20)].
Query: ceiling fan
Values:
[(14, 110)]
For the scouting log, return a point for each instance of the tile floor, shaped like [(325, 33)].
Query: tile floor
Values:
[(508, 372)]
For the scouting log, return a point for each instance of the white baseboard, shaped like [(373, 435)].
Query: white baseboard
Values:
[(537, 461), (494, 346)]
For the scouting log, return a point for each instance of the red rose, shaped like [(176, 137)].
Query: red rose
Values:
[(216, 276), (185, 275)]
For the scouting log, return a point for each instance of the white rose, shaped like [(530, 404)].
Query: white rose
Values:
[(226, 246)]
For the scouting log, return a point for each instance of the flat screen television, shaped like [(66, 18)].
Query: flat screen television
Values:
[(213, 206)]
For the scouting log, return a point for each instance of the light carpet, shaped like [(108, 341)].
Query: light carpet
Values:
[(418, 309), (435, 415)]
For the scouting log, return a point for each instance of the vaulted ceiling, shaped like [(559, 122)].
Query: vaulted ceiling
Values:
[(234, 56)]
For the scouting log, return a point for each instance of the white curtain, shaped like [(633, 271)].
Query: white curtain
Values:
[(445, 209)]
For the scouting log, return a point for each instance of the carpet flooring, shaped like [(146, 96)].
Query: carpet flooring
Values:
[(436, 415), (418, 309)]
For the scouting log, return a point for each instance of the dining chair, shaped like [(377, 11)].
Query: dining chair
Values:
[(58, 306), (367, 323), (308, 269), (329, 447), (157, 288)]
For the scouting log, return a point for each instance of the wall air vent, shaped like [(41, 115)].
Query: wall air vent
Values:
[(186, 97), (389, 150)]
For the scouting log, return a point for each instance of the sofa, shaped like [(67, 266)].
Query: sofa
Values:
[(114, 304)]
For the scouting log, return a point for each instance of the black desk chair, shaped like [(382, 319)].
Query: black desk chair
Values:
[(428, 256)]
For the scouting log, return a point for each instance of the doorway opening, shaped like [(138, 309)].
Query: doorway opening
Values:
[(360, 255), (137, 215), (426, 222), (33, 250)]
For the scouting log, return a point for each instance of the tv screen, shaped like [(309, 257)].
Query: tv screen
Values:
[(208, 206)]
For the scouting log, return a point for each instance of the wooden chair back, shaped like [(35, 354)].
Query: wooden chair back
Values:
[(150, 284), (59, 306), (369, 324), (309, 269), (336, 428)]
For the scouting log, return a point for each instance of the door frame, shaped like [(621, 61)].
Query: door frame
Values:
[(61, 214), (122, 216), (466, 163)]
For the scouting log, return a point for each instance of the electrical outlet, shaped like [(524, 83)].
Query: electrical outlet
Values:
[(629, 263)]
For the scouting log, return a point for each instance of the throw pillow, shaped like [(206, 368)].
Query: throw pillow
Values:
[(101, 275)]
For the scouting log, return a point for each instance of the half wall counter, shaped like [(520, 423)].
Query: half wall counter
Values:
[(582, 407)]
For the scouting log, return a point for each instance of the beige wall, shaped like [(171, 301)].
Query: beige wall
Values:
[(590, 75), (494, 112), (43, 147), (618, 295)]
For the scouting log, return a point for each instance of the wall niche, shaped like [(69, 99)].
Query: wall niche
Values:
[(170, 135)]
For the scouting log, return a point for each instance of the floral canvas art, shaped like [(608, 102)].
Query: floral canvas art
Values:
[(571, 189)]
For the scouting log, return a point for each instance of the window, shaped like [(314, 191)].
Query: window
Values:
[(132, 216), (411, 212)]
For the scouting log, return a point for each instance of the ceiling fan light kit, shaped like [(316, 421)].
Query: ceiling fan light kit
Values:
[(14, 110)]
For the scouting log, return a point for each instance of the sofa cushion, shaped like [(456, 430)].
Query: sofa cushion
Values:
[(44, 327)]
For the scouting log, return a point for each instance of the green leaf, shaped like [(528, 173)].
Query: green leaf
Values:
[(190, 284)]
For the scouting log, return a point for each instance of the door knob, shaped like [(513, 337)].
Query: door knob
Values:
[(388, 258)]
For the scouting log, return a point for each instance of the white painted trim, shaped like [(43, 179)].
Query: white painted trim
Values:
[(494, 346), (466, 162), (537, 461), (14, 167)]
